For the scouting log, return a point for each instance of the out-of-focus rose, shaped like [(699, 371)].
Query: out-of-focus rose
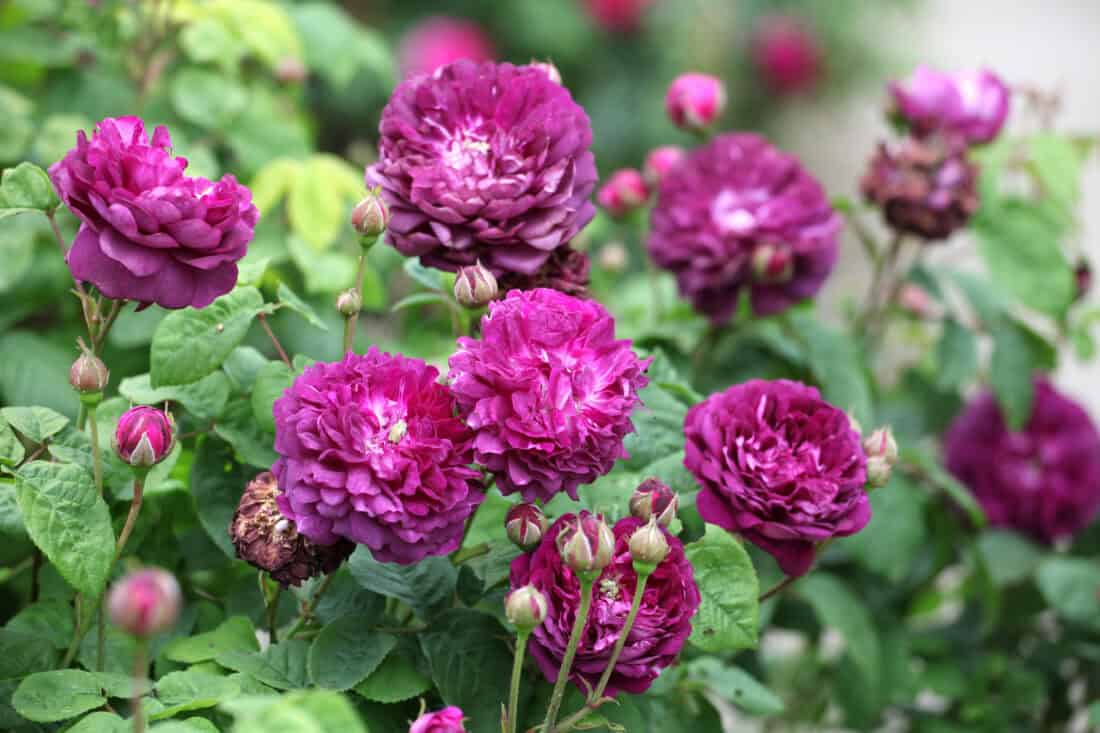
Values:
[(694, 101), (971, 104), (787, 53), (618, 16), (624, 191), (660, 161), (440, 40), (447, 720), (144, 436)]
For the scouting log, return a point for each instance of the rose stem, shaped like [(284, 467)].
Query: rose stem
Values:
[(588, 582), (353, 318), (140, 670), (272, 610), (517, 673), (271, 335), (78, 632), (131, 518), (778, 588), (307, 609)]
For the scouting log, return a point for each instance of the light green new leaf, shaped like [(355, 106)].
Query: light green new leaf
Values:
[(272, 183), (27, 187), (234, 634), (318, 205), (729, 615)]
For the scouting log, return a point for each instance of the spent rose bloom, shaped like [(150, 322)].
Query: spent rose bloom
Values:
[(1043, 480), (370, 451), (722, 203), (659, 632), (548, 390), (440, 40), (144, 436), (486, 162), (779, 466), (971, 104), (694, 100), (786, 53), (148, 232), (145, 602), (567, 271), (624, 191), (447, 720)]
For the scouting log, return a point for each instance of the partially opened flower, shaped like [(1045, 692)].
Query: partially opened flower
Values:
[(148, 232), (440, 40), (548, 390), (971, 104), (447, 720)]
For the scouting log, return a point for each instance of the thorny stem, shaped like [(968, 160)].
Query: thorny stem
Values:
[(517, 673), (352, 319), (274, 340), (587, 584)]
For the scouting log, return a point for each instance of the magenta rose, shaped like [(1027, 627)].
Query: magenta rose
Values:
[(548, 390), (779, 466), (971, 104), (663, 624), (1043, 480), (787, 53), (447, 720), (149, 233), (370, 451), (441, 40)]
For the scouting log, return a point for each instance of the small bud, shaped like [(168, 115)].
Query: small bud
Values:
[(1083, 277), (648, 547), (525, 607), (475, 286), (624, 192), (144, 602), (144, 436), (588, 545), (654, 500), (660, 161), (349, 302), (882, 454), (694, 101), (613, 257), (549, 69), (291, 70), (525, 525), (398, 431), (915, 300), (772, 264), (88, 374), (370, 217)]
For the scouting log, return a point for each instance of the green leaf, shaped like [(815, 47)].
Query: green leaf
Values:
[(938, 476), (838, 608), (488, 522), (1057, 163), (729, 615), (282, 666), (190, 344), (312, 711), (102, 723), (418, 299), (37, 424), (242, 365), (315, 207), (329, 271), (207, 98), (896, 532), (238, 427), (338, 47), (217, 482), (988, 302), (428, 277), (659, 422), (346, 652), (956, 355), (234, 634), (27, 187), (1009, 557), (50, 619), (836, 364), (273, 378), (192, 689), (47, 697), (1017, 354), (19, 125), (1069, 585), (22, 653), (291, 300), (272, 182), (425, 586), (68, 520), (11, 448), (205, 399), (737, 687), (396, 679)]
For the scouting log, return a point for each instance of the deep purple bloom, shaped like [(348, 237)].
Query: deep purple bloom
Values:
[(440, 40), (149, 233), (970, 104), (1043, 480), (726, 200), (484, 162), (663, 624), (779, 466), (144, 436), (447, 720), (370, 451), (548, 390)]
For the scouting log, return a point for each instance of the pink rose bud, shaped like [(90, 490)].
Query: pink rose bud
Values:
[(588, 545), (371, 216), (525, 607), (613, 257), (144, 436), (695, 100), (915, 300), (144, 602), (772, 263), (525, 525), (549, 69), (291, 70), (660, 161), (882, 454), (475, 286), (349, 302), (786, 53), (624, 192), (1083, 276), (447, 720), (648, 547), (654, 500), (88, 374)]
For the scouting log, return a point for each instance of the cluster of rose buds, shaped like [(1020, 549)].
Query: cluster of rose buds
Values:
[(654, 500), (587, 546), (145, 602), (144, 436)]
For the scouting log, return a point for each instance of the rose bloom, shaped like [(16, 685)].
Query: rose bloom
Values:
[(548, 390), (447, 720), (149, 233), (370, 451), (567, 271), (779, 466), (484, 162), (971, 104), (618, 16), (662, 626), (441, 40), (787, 53), (1043, 480), (728, 199)]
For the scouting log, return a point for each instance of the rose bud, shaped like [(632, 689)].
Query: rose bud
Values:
[(144, 602), (349, 302), (525, 607), (370, 217), (525, 525), (624, 192), (772, 263), (1083, 277), (475, 286), (447, 720), (549, 68), (613, 257), (694, 101), (587, 545), (654, 500), (648, 547), (88, 374), (660, 161), (786, 53), (291, 70), (915, 300), (144, 436), (882, 454)]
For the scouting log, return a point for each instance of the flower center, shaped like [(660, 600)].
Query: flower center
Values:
[(467, 151)]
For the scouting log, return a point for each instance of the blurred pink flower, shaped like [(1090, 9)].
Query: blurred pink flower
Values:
[(441, 40)]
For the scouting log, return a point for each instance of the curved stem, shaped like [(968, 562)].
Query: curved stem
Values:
[(517, 673), (587, 584), (351, 320), (778, 588), (308, 608), (131, 518), (271, 335), (97, 459)]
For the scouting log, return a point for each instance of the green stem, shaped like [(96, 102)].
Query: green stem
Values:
[(273, 612), (140, 671), (131, 517), (587, 584), (78, 632), (97, 459), (307, 609), (101, 635), (351, 320), (517, 673)]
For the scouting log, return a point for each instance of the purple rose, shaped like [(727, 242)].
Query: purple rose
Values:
[(484, 162), (370, 451), (779, 466), (548, 390), (1043, 480), (970, 104), (722, 203), (663, 624), (441, 40), (447, 720), (149, 233)]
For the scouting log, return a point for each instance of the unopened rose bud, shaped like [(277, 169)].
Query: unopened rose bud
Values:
[(525, 525), (915, 300), (1082, 275), (370, 217), (291, 70), (349, 302), (88, 374), (882, 454), (144, 436), (475, 286), (787, 53), (144, 602), (648, 547), (588, 545), (660, 161), (694, 101), (549, 69), (654, 500), (525, 607), (613, 257), (623, 192), (772, 264)]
